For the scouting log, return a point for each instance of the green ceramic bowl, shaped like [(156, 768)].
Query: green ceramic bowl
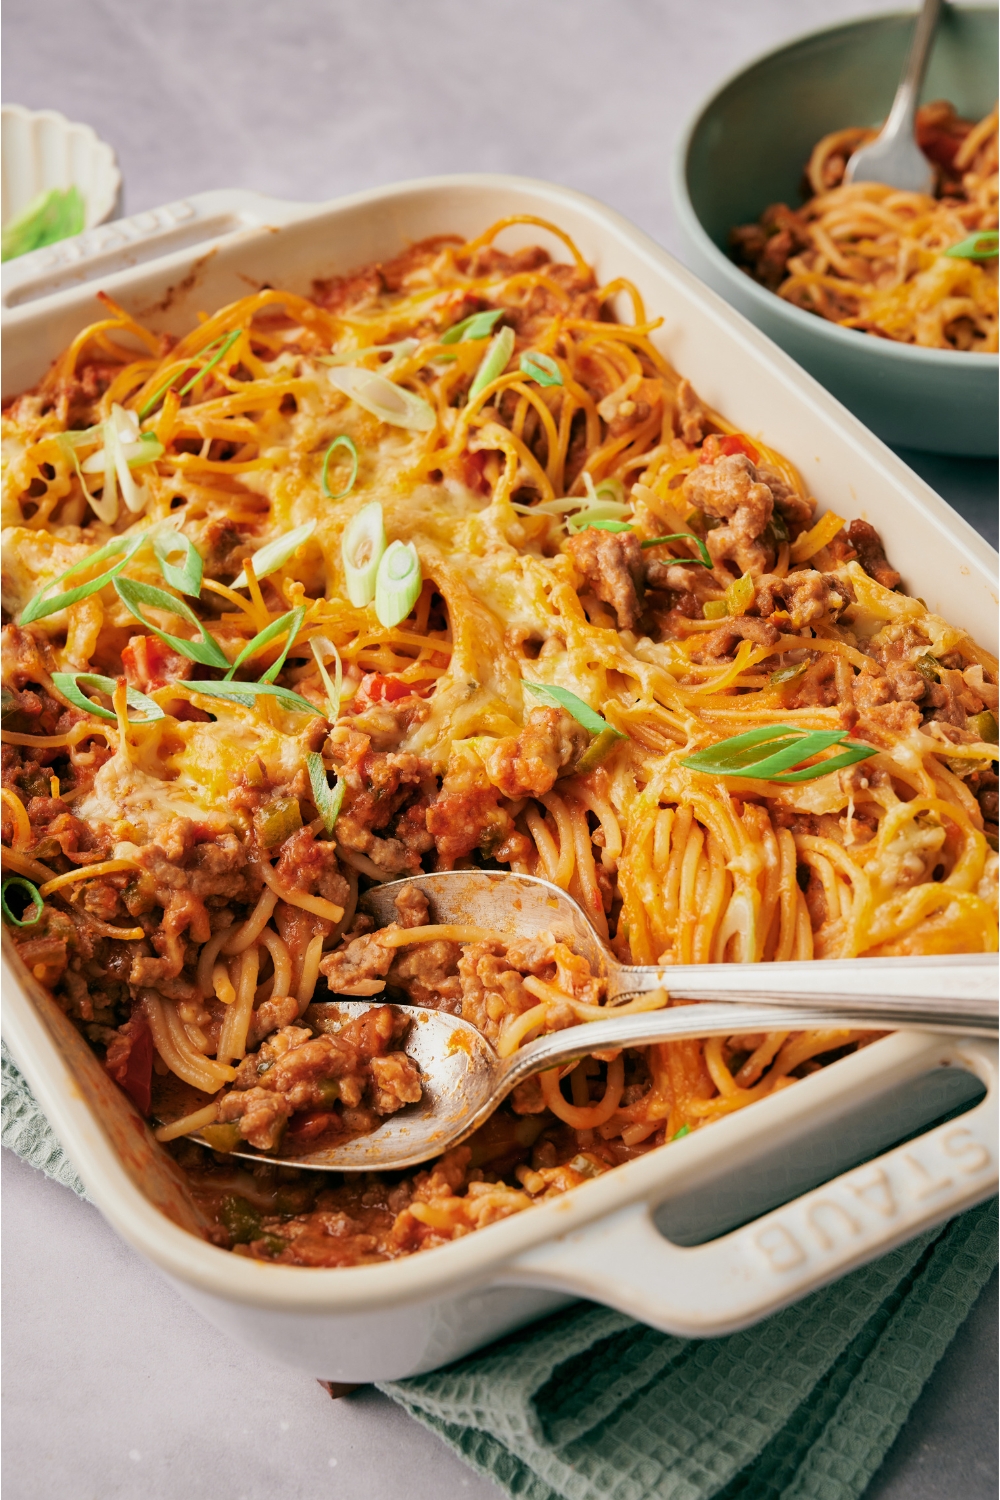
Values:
[(747, 148)]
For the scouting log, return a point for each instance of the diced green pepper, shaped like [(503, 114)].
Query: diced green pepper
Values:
[(715, 609), (985, 725), (240, 1218), (928, 667), (329, 1091), (739, 595), (598, 750), (788, 674), (529, 1128), (221, 1137), (276, 820), (586, 1166)]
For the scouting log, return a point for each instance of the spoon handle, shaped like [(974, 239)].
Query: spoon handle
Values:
[(904, 105), (680, 1022), (960, 986)]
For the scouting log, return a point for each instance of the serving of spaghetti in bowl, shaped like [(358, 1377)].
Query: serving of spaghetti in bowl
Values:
[(769, 221), (429, 557)]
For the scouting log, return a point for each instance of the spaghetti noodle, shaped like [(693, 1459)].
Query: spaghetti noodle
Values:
[(600, 583), (872, 257)]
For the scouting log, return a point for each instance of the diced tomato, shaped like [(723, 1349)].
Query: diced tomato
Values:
[(138, 1079), (377, 688), (473, 465), (308, 1127), (715, 447), (150, 663)]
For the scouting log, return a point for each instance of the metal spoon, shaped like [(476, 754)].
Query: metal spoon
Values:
[(894, 157), (464, 1079)]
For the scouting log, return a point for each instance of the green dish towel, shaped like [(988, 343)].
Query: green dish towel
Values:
[(591, 1405)]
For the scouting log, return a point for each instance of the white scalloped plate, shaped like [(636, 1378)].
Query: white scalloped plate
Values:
[(43, 150)]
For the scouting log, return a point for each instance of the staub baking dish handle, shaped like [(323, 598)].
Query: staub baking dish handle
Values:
[(729, 1283), (159, 235)]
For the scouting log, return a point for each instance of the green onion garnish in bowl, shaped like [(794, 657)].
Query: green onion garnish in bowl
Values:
[(52, 216)]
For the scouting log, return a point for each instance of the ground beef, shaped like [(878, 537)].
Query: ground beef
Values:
[(612, 566), (360, 966), (306, 864), (984, 786), (428, 972), (804, 595), (527, 764), (380, 787), (466, 815), (729, 489), (691, 415), (57, 831), (182, 868), (951, 698), (763, 249), (723, 642), (342, 1078), (871, 554)]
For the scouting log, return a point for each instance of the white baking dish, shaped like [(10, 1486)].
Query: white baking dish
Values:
[(608, 1239)]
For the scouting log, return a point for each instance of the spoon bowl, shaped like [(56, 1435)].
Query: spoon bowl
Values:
[(464, 1078), (893, 157)]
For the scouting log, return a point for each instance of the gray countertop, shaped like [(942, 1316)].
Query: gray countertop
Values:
[(115, 1389)]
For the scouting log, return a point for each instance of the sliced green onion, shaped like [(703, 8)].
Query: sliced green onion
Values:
[(478, 326), (145, 449), (71, 685), (225, 344), (778, 527), (597, 751), (684, 1130), (104, 506), (678, 536), (79, 437), (188, 574), (292, 622), (581, 712), (320, 647), (246, 694), (339, 442), (361, 549), (274, 556), (494, 362), (52, 216), (122, 427), (597, 515), (38, 905), (982, 246), (540, 367), (45, 604), (207, 650), (391, 403), (328, 799), (584, 522), (220, 354), (769, 753), (398, 583), (605, 491), (787, 674), (605, 510)]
